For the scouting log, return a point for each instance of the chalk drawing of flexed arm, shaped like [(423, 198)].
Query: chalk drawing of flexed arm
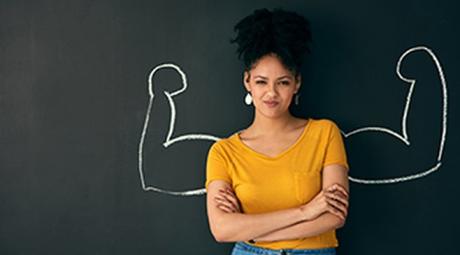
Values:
[(169, 138), (403, 135)]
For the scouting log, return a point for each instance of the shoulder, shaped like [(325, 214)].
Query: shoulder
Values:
[(217, 145), (326, 123), (325, 127), (221, 146)]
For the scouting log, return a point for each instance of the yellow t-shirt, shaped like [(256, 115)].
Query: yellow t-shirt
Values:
[(292, 178)]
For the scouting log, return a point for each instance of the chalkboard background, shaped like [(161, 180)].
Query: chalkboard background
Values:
[(74, 98)]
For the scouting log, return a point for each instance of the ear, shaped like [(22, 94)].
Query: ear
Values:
[(298, 82), (246, 78)]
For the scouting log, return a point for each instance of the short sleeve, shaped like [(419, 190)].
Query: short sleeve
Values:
[(335, 149), (216, 167)]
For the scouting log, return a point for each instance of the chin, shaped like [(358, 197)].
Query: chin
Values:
[(272, 114)]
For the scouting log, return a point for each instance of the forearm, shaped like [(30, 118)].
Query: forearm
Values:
[(305, 229), (235, 227)]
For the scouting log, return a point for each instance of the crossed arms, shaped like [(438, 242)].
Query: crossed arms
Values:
[(325, 212)]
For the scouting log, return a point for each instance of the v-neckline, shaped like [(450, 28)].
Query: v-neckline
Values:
[(281, 154)]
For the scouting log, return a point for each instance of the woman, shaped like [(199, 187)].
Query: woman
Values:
[(279, 186)]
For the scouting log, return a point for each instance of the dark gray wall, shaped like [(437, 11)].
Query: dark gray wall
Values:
[(74, 99)]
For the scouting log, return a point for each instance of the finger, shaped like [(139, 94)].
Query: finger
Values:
[(336, 212), (338, 187), (230, 190), (338, 206), (339, 193), (232, 199), (333, 187), (225, 208), (228, 204), (342, 189), (338, 198), (222, 198), (227, 192), (225, 202), (224, 195), (220, 195)]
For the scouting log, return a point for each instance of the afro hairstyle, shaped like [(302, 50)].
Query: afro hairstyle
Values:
[(283, 33)]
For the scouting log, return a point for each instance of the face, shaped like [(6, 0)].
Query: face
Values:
[(271, 85)]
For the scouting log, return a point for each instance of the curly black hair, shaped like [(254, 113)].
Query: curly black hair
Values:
[(283, 33)]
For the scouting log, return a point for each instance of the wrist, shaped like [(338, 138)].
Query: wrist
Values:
[(304, 213)]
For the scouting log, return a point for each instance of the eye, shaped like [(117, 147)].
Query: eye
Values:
[(260, 82), (285, 82)]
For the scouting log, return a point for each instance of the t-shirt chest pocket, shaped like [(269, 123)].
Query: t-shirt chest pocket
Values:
[(307, 184)]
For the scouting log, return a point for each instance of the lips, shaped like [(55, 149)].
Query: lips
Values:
[(271, 103)]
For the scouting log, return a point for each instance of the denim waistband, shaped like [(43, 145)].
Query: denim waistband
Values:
[(242, 246)]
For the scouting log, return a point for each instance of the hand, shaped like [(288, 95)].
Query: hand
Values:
[(333, 199), (227, 201)]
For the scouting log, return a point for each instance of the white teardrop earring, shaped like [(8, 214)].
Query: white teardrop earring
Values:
[(296, 99), (248, 99)]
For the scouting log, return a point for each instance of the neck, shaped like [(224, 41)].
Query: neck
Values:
[(268, 126)]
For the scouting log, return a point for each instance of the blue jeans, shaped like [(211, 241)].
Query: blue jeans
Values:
[(242, 248)]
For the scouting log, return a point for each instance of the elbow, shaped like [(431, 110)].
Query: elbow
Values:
[(225, 234), (219, 233), (224, 228), (339, 222), (219, 237), (335, 222)]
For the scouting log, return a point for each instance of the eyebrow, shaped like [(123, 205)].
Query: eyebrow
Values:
[(279, 78)]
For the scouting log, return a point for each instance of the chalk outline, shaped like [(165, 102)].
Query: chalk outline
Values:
[(404, 138)]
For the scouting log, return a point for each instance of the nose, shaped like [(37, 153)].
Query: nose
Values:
[(272, 89)]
